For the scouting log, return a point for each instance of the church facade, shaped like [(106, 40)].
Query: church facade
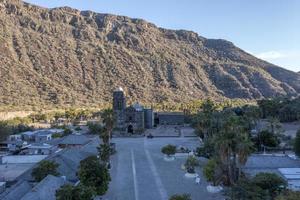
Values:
[(133, 119)]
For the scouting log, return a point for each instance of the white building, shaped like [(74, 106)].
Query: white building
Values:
[(292, 176)]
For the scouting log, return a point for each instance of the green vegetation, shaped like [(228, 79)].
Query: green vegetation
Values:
[(44, 168), (67, 131), (14, 126), (285, 109), (297, 144), (210, 171), (190, 164), (267, 139), (272, 183), (94, 174), (226, 139), (105, 134), (262, 186), (94, 128), (169, 150), (180, 197), (289, 195), (70, 192)]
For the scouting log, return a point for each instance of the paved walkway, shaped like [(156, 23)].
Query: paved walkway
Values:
[(140, 173)]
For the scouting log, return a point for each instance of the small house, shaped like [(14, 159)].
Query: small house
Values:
[(38, 149)]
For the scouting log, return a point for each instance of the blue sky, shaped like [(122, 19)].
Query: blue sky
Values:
[(269, 29)]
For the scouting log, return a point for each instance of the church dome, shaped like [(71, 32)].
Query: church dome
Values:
[(119, 89), (137, 107)]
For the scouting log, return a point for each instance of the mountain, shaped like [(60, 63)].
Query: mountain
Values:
[(64, 56)]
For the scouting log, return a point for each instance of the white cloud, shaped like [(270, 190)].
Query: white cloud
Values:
[(271, 55), (288, 59)]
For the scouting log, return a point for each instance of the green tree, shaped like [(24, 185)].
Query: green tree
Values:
[(104, 152), (266, 138), (94, 128), (169, 150), (106, 132), (204, 124), (232, 146), (43, 169), (297, 144), (108, 120), (93, 174), (270, 182), (246, 190), (289, 195), (70, 192), (180, 197)]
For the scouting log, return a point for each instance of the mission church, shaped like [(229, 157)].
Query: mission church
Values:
[(134, 119)]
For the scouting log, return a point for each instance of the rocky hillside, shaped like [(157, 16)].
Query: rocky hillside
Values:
[(65, 56)]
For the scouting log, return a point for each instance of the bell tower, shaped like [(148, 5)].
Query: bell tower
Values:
[(119, 106)]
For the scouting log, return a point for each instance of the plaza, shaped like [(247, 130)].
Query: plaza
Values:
[(139, 171)]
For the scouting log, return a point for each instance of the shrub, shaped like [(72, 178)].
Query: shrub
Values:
[(190, 164), (209, 171), (45, 168), (289, 195), (78, 128), (297, 144), (180, 197), (70, 192), (169, 150), (67, 131), (270, 182)]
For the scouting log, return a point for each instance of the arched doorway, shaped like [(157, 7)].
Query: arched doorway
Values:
[(130, 129)]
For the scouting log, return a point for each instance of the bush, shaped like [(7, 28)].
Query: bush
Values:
[(67, 131), (169, 150), (270, 182), (180, 197), (94, 128), (246, 190), (70, 192), (190, 164), (78, 128), (289, 195), (56, 135), (297, 144), (209, 171), (207, 150), (45, 168)]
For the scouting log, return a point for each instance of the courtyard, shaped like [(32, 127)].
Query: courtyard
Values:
[(139, 171)]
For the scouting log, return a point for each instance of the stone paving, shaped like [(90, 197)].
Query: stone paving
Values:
[(164, 131), (139, 171)]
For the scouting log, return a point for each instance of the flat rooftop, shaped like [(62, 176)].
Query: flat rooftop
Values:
[(9, 172)]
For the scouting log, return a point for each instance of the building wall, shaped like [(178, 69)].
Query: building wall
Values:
[(171, 118), (37, 151), (119, 106), (43, 138), (149, 118)]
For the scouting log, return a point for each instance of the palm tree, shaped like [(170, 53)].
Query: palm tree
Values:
[(232, 147), (105, 134), (108, 120)]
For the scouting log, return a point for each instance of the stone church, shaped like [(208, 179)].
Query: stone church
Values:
[(133, 119)]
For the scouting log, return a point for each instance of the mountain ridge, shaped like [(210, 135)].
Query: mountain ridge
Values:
[(65, 56)]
